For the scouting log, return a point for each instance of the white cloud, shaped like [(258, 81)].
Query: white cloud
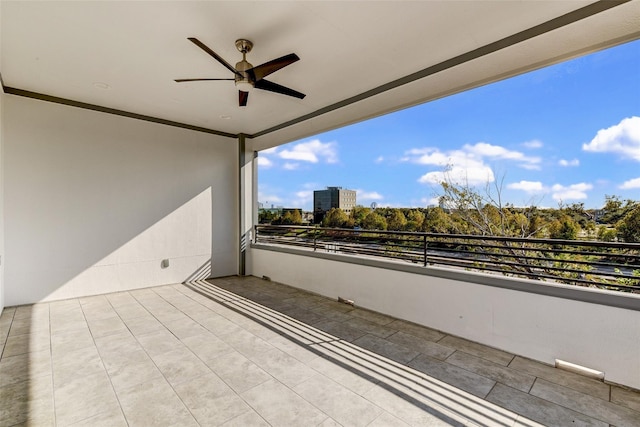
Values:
[(527, 186), (271, 150), (380, 159), (566, 163), (630, 184), (368, 195), (269, 198), (312, 151), (302, 199), (534, 143), (460, 174), (468, 164), (623, 139), (291, 166), (433, 201), (570, 192), (264, 162), (482, 149)]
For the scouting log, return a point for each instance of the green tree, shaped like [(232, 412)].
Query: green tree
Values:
[(564, 229), (606, 234), (287, 219), (358, 214), (266, 217), (629, 226), (437, 221), (396, 220), (374, 221), (335, 218), (415, 219), (615, 209), (293, 217)]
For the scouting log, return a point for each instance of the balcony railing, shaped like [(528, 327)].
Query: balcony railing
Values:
[(605, 265)]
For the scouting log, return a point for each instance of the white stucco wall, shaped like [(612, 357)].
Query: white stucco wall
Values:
[(94, 202), (536, 326), (1, 205)]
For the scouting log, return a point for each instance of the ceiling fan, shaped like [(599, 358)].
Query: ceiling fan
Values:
[(246, 76)]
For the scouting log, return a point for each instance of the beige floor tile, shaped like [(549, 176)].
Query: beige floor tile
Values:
[(539, 410), (22, 367), (247, 419), (279, 405), (76, 363), (624, 397), (126, 375), (112, 418), (238, 372), (29, 343), (154, 403), (603, 410), (29, 402), (494, 371), (428, 348), (568, 379), (340, 403), (84, 397), (466, 380), (497, 356), (211, 400), (180, 365), (106, 326)]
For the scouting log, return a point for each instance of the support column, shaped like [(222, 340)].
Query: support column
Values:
[(246, 204)]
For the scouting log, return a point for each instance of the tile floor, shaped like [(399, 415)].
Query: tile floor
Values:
[(248, 352)]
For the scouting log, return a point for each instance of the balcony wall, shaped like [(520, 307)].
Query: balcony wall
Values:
[(2, 258), (95, 203), (544, 322)]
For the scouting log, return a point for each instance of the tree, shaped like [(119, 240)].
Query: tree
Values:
[(606, 234), (629, 226), (415, 218), (437, 221), (358, 214), (483, 213), (615, 209), (396, 221), (266, 216), (564, 229), (374, 221), (335, 218), (293, 217)]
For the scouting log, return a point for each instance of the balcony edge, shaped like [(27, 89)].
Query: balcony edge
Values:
[(557, 290)]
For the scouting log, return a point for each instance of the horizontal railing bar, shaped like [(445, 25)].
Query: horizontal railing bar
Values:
[(512, 256)]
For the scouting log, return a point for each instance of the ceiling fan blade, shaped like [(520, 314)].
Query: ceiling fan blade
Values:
[(274, 87), (243, 97), (197, 80), (262, 71), (212, 53)]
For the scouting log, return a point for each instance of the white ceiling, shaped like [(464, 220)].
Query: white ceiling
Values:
[(63, 49)]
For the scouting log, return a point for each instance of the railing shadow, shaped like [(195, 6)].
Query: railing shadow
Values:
[(445, 402)]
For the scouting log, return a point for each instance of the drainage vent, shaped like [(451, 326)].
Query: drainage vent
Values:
[(581, 370)]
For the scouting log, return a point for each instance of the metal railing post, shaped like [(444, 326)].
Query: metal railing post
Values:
[(315, 234), (424, 247)]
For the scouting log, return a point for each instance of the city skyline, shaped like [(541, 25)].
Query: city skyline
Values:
[(568, 133)]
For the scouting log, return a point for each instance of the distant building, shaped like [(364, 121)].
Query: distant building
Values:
[(332, 197)]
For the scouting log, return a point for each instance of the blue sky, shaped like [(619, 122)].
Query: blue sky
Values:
[(569, 133)]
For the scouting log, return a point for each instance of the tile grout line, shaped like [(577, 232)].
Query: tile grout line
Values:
[(154, 362), (406, 370), (211, 370), (4, 344), (53, 381), (93, 338), (284, 385)]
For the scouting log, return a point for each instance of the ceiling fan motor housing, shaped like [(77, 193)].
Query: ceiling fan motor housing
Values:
[(243, 78)]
